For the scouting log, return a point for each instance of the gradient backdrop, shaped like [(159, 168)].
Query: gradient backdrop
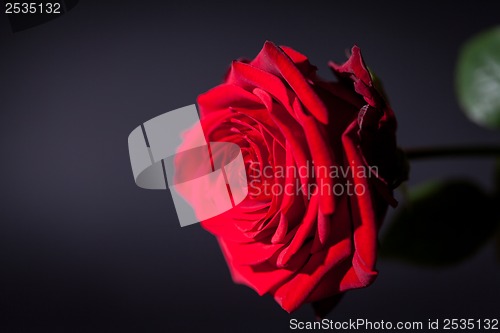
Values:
[(82, 249)]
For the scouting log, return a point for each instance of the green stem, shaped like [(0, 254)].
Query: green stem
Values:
[(472, 151)]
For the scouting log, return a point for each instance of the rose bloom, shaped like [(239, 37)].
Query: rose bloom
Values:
[(305, 247)]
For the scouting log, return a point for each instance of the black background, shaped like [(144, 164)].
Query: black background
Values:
[(82, 249)]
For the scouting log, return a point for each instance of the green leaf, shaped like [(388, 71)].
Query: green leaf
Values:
[(377, 83), (478, 78), (443, 223)]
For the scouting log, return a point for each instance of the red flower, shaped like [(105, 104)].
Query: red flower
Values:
[(300, 235)]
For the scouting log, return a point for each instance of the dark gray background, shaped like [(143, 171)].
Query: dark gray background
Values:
[(82, 249)]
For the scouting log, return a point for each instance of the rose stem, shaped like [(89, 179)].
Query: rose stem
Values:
[(421, 153)]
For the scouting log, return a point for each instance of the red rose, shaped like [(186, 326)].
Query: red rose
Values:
[(314, 244)]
